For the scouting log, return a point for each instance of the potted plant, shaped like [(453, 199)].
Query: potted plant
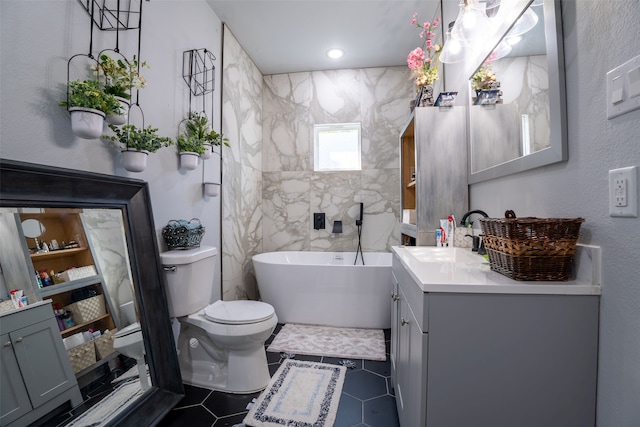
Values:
[(423, 63), (197, 126), (121, 76), (88, 104), (137, 143), (190, 149)]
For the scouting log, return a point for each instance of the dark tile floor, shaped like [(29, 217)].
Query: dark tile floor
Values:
[(367, 397)]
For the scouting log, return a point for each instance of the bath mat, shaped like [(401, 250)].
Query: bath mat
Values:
[(330, 341), (300, 393), (104, 411)]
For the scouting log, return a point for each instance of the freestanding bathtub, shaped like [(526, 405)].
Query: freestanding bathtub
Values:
[(325, 288)]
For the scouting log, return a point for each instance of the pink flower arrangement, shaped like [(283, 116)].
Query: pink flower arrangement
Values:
[(423, 62)]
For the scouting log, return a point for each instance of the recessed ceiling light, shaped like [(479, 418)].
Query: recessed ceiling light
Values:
[(335, 53)]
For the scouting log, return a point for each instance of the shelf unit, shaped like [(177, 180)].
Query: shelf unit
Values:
[(433, 171), (65, 225)]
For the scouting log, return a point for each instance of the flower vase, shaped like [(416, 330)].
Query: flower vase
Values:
[(134, 160), (119, 119), (208, 149), (426, 96), (211, 189), (86, 123), (189, 160)]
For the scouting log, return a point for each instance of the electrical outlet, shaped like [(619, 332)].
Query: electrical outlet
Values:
[(623, 192)]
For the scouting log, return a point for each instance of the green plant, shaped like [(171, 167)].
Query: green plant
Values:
[(197, 126), (190, 144), (88, 94), (121, 76), (136, 138)]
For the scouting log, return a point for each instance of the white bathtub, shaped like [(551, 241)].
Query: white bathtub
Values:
[(325, 288)]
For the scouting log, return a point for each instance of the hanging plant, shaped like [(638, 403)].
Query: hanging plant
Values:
[(88, 104), (196, 128), (137, 143), (121, 76)]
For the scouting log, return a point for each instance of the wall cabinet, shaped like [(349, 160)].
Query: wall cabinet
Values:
[(36, 375), (71, 267), (492, 360), (433, 172)]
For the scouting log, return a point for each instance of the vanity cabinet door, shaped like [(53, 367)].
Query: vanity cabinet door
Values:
[(42, 360), (395, 325), (411, 367), (14, 400)]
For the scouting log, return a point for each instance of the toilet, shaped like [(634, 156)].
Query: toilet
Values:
[(129, 342), (220, 345)]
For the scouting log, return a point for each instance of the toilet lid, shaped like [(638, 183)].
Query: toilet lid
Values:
[(127, 330), (238, 312)]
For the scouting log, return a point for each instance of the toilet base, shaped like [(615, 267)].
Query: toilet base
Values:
[(204, 364), (250, 376)]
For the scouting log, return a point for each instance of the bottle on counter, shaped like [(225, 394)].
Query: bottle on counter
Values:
[(46, 280)]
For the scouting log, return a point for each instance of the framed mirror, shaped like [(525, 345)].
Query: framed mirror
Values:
[(24, 185), (526, 128)]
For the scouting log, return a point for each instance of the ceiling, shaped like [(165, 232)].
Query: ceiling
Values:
[(286, 36)]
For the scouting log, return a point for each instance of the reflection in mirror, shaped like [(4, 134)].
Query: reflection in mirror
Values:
[(516, 113), (99, 210), (32, 228), (86, 274)]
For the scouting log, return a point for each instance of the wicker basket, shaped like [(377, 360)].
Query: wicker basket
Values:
[(82, 356), (182, 234), (531, 248), (87, 309), (104, 344)]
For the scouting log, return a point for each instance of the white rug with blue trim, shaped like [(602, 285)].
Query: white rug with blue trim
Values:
[(301, 394)]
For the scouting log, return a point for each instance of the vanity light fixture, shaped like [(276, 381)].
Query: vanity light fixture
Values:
[(453, 50), (335, 53), (470, 23), (525, 23)]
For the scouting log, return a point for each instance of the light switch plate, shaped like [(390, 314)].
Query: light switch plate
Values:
[(622, 88), (623, 192)]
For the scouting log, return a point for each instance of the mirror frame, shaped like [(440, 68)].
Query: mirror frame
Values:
[(31, 185), (557, 151)]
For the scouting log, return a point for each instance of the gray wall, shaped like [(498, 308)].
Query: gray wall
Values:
[(37, 39), (598, 36)]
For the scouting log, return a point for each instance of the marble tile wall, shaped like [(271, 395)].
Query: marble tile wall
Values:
[(242, 171), (270, 190), (292, 103)]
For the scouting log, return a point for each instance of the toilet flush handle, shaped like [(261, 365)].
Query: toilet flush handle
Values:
[(169, 268)]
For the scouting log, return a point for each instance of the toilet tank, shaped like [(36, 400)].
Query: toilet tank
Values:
[(189, 276)]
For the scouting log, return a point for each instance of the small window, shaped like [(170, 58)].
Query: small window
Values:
[(337, 147)]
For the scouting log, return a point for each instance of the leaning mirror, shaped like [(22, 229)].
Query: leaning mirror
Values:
[(93, 273), (517, 112)]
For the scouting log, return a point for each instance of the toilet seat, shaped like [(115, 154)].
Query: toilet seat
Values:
[(128, 330), (240, 312)]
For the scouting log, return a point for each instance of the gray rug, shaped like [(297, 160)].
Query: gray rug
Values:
[(330, 341), (300, 393)]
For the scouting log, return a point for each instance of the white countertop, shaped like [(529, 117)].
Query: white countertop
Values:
[(462, 271), (27, 307)]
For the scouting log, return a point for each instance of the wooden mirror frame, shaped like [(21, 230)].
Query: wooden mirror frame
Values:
[(30, 185)]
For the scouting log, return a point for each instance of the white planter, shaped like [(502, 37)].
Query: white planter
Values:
[(86, 123), (134, 160), (119, 119), (208, 149), (189, 161), (211, 189)]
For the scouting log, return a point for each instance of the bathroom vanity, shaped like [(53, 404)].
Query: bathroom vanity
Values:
[(35, 373), (470, 347)]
